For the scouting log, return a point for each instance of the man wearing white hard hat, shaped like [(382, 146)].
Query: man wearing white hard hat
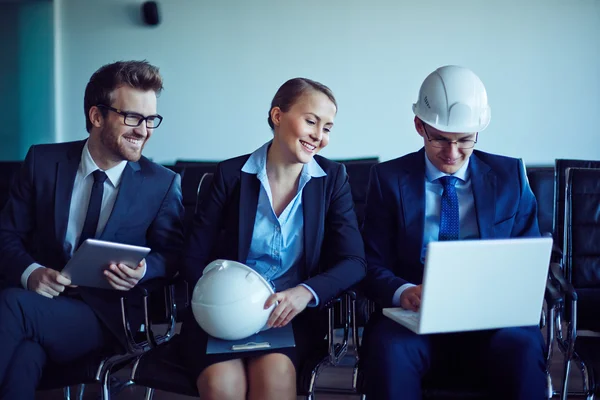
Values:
[(445, 191)]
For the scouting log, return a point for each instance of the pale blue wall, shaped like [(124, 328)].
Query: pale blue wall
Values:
[(26, 77), (9, 86), (223, 60), (36, 74)]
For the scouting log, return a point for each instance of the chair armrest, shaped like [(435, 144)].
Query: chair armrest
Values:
[(145, 288), (337, 351), (143, 291), (553, 295), (557, 254), (351, 294), (557, 276), (566, 343), (331, 303)]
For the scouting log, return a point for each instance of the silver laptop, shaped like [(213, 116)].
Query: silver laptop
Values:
[(473, 285)]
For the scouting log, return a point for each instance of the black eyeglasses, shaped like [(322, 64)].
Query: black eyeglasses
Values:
[(134, 119), (443, 143)]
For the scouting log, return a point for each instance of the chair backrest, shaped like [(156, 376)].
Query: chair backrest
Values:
[(358, 171), (581, 249), (190, 179), (183, 290), (8, 172), (541, 180), (175, 168), (194, 163), (560, 172), (203, 189)]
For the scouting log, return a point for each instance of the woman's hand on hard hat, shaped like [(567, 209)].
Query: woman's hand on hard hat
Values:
[(291, 303)]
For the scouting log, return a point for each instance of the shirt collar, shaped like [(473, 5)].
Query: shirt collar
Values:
[(432, 173), (257, 164), (87, 166)]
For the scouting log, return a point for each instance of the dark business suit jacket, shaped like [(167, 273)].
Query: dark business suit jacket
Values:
[(33, 224), (395, 215), (333, 247)]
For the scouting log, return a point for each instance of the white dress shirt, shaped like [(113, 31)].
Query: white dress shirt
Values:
[(80, 198)]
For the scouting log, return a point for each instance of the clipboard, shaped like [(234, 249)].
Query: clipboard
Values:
[(274, 338)]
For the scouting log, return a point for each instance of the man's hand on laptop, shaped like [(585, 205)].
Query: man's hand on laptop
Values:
[(47, 282), (122, 277), (411, 298)]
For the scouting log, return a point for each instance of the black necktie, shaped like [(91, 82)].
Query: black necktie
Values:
[(93, 212), (449, 221)]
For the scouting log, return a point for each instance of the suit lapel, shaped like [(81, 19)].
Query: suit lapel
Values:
[(412, 194), (128, 196), (66, 171), (249, 191), (314, 214), (484, 195)]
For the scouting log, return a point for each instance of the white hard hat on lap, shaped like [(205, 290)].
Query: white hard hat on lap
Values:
[(453, 99), (228, 300)]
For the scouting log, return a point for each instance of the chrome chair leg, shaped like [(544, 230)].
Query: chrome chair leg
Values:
[(550, 389), (67, 393), (149, 394), (105, 385), (81, 391), (565, 385), (585, 376)]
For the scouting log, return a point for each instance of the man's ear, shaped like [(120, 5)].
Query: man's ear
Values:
[(276, 116), (419, 127), (96, 117)]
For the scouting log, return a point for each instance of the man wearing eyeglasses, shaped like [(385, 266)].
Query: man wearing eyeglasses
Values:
[(445, 191), (103, 188)]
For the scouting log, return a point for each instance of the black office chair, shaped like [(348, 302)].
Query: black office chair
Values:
[(541, 180), (208, 165), (358, 171), (97, 367), (190, 180), (458, 385), (560, 171), (580, 277), (162, 369)]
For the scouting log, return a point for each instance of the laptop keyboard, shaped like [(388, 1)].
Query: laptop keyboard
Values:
[(408, 315)]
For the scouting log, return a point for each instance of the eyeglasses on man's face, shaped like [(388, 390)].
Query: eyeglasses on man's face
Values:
[(443, 143), (134, 119)]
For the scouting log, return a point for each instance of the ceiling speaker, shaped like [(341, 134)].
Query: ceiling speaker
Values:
[(150, 13)]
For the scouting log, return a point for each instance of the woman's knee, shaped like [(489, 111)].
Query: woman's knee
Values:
[(225, 380), (272, 373)]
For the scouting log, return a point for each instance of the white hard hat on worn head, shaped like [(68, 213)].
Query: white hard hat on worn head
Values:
[(453, 99)]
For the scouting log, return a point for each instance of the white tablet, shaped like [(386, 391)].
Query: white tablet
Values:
[(86, 267)]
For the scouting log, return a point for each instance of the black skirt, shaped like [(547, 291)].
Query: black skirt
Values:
[(310, 328)]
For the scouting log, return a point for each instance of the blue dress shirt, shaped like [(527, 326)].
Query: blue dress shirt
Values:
[(276, 249), (433, 197)]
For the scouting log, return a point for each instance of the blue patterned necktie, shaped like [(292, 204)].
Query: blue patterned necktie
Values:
[(449, 222)]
